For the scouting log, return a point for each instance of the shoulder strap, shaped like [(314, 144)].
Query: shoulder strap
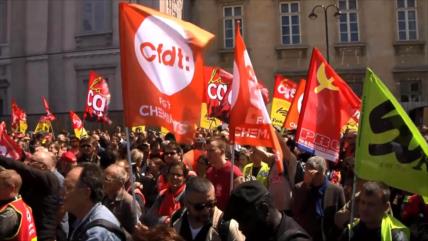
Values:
[(223, 228), (107, 225)]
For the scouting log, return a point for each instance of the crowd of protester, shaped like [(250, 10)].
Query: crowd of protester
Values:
[(66, 188)]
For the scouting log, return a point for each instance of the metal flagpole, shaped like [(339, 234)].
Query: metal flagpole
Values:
[(231, 170), (131, 174), (354, 187)]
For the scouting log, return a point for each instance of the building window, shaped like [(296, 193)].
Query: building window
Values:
[(95, 16), (231, 14), (406, 20), (290, 23), (410, 90), (348, 21), (3, 21)]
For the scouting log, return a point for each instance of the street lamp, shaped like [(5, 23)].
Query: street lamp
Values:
[(313, 16)]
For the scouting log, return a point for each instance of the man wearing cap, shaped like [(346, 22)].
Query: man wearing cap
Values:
[(66, 162), (251, 205), (316, 200)]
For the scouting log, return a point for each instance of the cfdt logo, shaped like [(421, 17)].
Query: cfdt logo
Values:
[(164, 55)]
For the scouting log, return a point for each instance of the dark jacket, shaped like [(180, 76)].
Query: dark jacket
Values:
[(304, 210), (289, 230), (40, 190)]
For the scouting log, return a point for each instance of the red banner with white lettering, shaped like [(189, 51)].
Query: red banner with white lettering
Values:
[(49, 115), (283, 94), (8, 147), (162, 70), (329, 103), (98, 99), (292, 118), (249, 119), (218, 82)]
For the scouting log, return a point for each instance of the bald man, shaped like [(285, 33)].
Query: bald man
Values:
[(16, 217), (40, 189), (117, 199)]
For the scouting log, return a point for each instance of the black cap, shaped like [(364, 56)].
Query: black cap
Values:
[(244, 197)]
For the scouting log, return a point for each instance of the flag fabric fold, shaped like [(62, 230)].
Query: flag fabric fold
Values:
[(8, 147), (162, 70), (389, 146), (328, 104), (19, 119), (97, 99), (77, 124), (292, 118), (49, 115), (249, 120), (283, 94), (218, 82)]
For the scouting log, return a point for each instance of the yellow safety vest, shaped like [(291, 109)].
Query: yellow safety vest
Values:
[(262, 175), (389, 223)]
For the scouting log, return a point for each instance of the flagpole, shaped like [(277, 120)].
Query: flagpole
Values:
[(231, 170), (351, 220), (131, 175)]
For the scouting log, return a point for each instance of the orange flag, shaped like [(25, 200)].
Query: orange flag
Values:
[(329, 103), (249, 119), (162, 70), (293, 114)]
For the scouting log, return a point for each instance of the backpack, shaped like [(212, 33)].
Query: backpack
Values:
[(118, 231)]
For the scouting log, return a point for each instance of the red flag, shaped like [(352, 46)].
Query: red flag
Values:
[(162, 70), (218, 82), (292, 118), (249, 119), (49, 115), (77, 124), (8, 147), (19, 119), (328, 105), (98, 99)]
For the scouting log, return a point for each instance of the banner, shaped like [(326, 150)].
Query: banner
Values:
[(206, 121), (292, 118), (19, 119), (389, 147), (283, 95), (162, 70), (218, 82), (328, 105), (98, 99), (49, 114), (8, 147), (77, 124), (249, 119), (44, 125)]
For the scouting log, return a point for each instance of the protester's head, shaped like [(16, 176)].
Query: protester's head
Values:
[(315, 170), (199, 143), (74, 142), (43, 160), (159, 233), (251, 205), (10, 184), (373, 202), (88, 146), (83, 188), (115, 178), (67, 161), (216, 151), (154, 167), (200, 199), (172, 153), (177, 175), (137, 157)]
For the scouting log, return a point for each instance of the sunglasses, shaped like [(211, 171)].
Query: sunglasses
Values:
[(202, 206), (170, 153)]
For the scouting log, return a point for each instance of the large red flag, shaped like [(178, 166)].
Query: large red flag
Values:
[(292, 118), (19, 119), (218, 81), (49, 115), (329, 103), (162, 70), (8, 147), (249, 119), (98, 99)]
